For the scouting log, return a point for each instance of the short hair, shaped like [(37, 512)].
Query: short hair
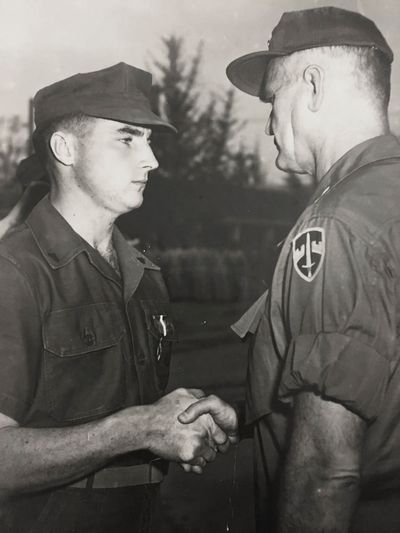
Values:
[(373, 70), (77, 123), (369, 66)]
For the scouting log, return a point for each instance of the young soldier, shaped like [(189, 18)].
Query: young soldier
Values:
[(86, 329)]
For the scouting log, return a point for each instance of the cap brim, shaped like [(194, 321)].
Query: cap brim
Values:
[(247, 72), (152, 120), (145, 118)]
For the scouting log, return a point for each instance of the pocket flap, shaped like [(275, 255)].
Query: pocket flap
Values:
[(83, 329)]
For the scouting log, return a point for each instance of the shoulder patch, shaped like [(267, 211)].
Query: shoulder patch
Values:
[(309, 252)]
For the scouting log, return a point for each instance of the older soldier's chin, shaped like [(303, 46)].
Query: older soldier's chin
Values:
[(281, 162), (289, 167), (283, 165)]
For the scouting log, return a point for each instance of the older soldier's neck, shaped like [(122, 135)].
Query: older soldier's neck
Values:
[(339, 140)]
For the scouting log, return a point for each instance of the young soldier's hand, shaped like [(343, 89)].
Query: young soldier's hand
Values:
[(194, 443)]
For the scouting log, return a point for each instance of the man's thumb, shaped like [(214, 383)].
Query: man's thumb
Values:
[(190, 414)]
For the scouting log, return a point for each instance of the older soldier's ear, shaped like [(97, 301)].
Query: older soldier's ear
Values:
[(62, 146), (313, 75)]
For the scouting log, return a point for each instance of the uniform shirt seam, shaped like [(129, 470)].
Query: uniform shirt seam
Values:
[(25, 276), (376, 235)]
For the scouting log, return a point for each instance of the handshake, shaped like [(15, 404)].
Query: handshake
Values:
[(190, 428)]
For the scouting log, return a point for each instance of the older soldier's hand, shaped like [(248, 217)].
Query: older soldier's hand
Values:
[(223, 415), (193, 443)]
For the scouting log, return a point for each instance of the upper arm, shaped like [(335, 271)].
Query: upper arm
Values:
[(326, 434), (341, 321), (20, 342)]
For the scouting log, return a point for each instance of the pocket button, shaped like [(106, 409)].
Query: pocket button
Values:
[(89, 338)]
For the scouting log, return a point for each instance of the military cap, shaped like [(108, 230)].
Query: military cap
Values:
[(301, 30), (29, 170), (120, 92)]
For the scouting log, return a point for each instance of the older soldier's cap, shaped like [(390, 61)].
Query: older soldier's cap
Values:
[(301, 30), (120, 92)]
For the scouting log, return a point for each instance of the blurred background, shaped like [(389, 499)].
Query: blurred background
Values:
[(215, 209)]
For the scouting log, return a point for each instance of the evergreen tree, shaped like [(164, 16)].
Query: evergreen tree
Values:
[(206, 146), (13, 147)]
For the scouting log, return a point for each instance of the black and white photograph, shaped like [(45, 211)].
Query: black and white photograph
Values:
[(199, 266)]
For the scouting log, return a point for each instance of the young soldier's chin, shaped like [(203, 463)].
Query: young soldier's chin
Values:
[(135, 201)]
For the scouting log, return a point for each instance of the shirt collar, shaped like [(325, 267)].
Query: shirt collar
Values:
[(59, 243), (368, 152), (128, 253)]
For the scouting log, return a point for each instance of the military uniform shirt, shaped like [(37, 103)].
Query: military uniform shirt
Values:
[(77, 341), (331, 323)]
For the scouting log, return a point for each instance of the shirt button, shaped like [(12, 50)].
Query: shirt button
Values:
[(89, 337)]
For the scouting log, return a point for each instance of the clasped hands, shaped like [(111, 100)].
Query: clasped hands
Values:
[(193, 428)]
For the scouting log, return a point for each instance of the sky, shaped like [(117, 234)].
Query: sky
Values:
[(43, 41)]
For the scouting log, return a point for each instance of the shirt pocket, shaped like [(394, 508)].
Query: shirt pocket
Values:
[(84, 365), (161, 333)]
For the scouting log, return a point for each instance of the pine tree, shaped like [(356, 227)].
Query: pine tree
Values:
[(206, 146)]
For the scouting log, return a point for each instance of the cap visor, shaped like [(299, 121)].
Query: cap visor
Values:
[(152, 120), (139, 117), (247, 72)]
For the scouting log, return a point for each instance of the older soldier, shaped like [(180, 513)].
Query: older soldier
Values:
[(85, 327), (324, 375)]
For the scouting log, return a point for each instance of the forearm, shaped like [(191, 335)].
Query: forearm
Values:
[(317, 498), (321, 475), (37, 458)]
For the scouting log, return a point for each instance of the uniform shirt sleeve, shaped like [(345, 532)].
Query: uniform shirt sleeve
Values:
[(20, 342), (340, 310)]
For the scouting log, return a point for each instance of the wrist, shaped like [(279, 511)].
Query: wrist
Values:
[(128, 430)]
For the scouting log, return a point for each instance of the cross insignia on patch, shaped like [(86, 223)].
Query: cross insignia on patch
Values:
[(309, 252)]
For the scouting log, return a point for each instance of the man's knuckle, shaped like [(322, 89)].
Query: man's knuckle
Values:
[(197, 443), (186, 454)]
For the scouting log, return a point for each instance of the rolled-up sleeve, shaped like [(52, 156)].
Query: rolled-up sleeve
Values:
[(20, 342), (342, 321)]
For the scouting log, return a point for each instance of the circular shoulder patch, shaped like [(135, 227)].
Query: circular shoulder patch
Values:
[(309, 252)]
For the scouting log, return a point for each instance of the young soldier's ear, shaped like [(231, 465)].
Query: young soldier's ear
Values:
[(314, 76), (63, 148)]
